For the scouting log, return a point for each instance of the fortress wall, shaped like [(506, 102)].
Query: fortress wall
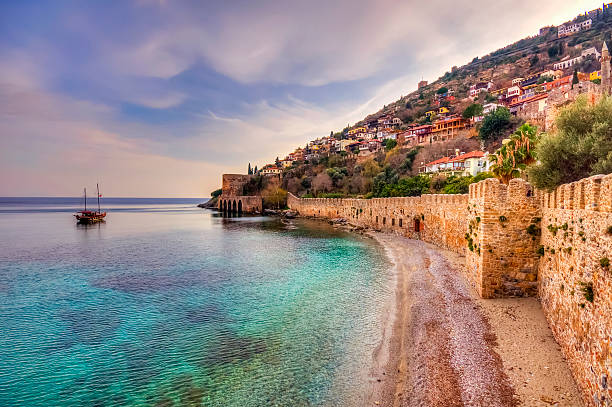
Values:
[(502, 238), (519, 242), (438, 219), (575, 239)]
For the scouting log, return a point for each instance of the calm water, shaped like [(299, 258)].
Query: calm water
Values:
[(166, 304)]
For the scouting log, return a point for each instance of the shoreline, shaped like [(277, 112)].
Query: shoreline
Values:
[(444, 346)]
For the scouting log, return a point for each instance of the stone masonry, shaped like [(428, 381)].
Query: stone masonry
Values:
[(233, 200), (518, 241)]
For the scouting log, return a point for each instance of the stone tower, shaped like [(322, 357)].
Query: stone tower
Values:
[(605, 70)]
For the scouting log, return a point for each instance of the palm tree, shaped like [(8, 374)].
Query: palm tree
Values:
[(516, 153)]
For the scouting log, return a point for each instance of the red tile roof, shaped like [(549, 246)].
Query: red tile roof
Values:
[(438, 161), (471, 154)]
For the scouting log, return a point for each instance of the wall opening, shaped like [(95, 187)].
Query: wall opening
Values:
[(240, 206), (393, 222), (234, 207), (400, 222), (377, 219), (384, 221), (417, 225)]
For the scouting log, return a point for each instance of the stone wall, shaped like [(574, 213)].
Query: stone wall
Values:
[(502, 256), (519, 241), (233, 184), (438, 219), (575, 285), (240, 204)]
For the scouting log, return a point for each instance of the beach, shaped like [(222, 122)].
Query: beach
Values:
[(444, 346)]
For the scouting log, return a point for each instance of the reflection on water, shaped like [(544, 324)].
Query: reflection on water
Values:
[(177, 306)]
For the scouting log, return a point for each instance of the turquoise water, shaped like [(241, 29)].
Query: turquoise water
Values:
[(170, 305)]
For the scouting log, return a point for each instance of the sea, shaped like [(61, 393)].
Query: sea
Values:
[(167, 304)]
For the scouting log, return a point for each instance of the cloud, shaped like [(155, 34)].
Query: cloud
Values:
[(287, 72)]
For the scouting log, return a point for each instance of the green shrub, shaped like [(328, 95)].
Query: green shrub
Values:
[(604, 262), (495, 124), (587, 291), (580, 146)]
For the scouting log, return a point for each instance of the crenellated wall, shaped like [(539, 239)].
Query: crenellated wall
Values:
[(575, 239), (438, 219), (502, 258)]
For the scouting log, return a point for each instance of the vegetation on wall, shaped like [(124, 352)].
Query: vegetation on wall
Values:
[(516, 153), (580, 145)]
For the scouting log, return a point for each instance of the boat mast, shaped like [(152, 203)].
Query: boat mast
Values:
[(98, 188), (85, 191)]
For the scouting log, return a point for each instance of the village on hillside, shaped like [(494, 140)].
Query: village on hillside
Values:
[(456, 105)]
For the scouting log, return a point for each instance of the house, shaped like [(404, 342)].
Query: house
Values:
[(531, 108), (517, 81), (570, 29), (418, 135), (430, 113), (595, 75), (590, 51), (396, 121), (270, 169), (474, 162), (447, 128), (286, 163), (513, 91), (357, 130), (480, 87), (421, 84), (567, 62), (434, 166), (555, 74), (562, 83), (341, 145), (443, 111), (490, 107)]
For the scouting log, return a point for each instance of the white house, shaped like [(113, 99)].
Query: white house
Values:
[(513, 91), (490, 107), (570, 29)]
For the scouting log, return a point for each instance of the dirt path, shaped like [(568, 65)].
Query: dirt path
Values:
[(443, 352)]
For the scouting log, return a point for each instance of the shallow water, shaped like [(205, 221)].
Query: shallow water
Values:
[(170, 305)]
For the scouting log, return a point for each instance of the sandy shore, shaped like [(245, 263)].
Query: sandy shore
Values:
[(447, 347)]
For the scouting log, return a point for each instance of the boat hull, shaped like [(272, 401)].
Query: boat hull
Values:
[(90, 217)]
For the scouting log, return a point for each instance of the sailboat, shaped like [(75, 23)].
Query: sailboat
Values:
[(87, 217)]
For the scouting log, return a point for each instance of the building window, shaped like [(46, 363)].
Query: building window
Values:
[(384, 221), (400, 222)]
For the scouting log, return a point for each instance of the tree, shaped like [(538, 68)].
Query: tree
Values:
[(255, 170), (390, 144), (322, 183), (475, 109), (494, 124), (515, 154), (370, 168), (216, 193), (250, 172), (277, 162), (442, 90), (575, 78), (274, 197), (580, 145)]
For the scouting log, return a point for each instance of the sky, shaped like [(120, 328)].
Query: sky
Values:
[(158, 98)]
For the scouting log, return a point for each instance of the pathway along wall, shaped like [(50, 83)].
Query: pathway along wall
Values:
[(519, 242)]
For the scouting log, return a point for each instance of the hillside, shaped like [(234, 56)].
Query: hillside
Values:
[(438, 139)]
